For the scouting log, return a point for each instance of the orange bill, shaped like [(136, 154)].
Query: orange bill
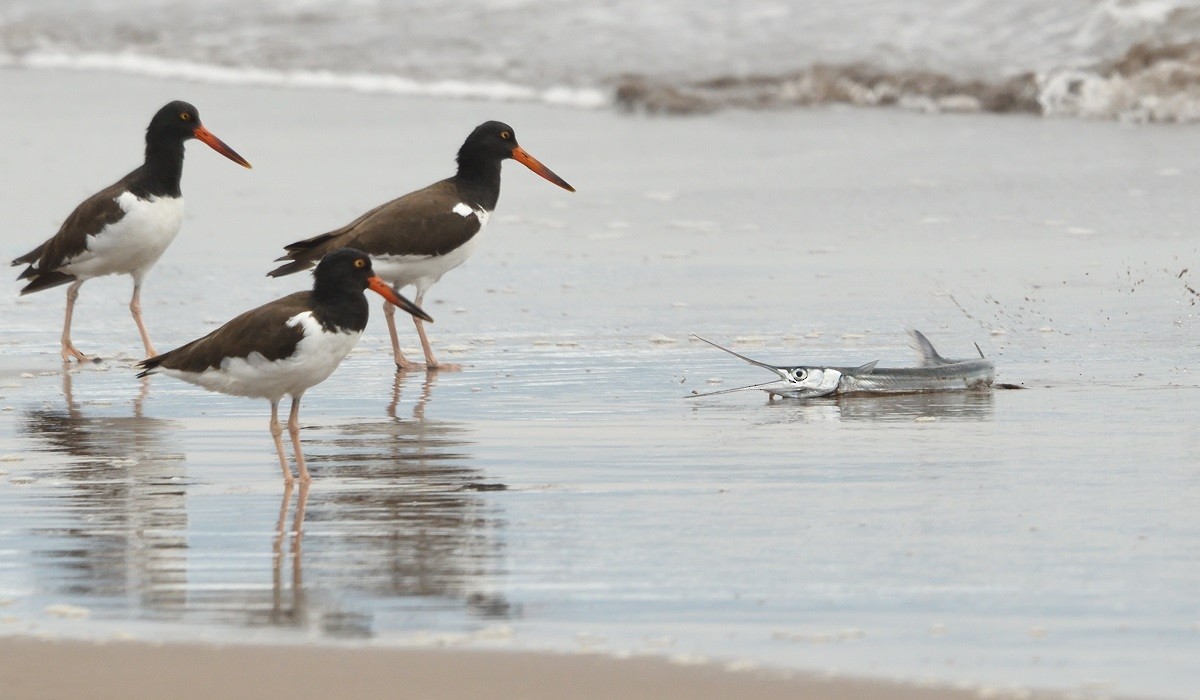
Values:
[(383, 289), (219, 146), (521, 156)]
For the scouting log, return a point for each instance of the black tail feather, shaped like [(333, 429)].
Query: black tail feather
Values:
[(150, 364), (310, 243), (302, 254), (290, 268), (44, 280), (29, 258)]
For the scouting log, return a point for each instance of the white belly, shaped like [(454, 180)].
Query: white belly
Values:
[(422, 271), (316, 356), (132, 245)]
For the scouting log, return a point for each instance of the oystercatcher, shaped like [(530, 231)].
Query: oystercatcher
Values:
[(424, 234), (287, 345), (124, 228)]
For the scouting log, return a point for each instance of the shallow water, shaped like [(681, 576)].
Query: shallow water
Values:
[(981, 536), (561, 493)]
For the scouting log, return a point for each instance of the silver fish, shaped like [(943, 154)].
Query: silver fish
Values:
[(932, 373)]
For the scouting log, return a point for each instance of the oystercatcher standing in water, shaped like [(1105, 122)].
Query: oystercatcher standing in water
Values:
[(424, 234), (124, 228), (286, 346)]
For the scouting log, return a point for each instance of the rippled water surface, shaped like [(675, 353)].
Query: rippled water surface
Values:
[(560, 492)]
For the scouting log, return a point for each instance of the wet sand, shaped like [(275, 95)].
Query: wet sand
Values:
[(560, 495), (185, 671)]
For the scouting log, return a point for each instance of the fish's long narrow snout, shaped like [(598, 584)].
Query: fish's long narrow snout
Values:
[(777, 370), (765, 386), (219, 146), (383, 289)]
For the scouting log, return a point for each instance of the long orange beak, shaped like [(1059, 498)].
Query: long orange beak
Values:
[(385, 290), (219, 146), (521, 156)]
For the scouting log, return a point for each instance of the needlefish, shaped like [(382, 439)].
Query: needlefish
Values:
[(932, 373)]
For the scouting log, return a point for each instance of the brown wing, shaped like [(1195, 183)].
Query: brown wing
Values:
[(88, 219), (421, 223), (263, 330)]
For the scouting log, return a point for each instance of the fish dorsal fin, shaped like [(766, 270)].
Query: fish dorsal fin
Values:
[(782, 373), (926, 355), (864, 370)]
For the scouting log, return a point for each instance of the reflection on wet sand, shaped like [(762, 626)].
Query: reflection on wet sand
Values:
[(393, 524), (946, 405), (285, 612), (410, 524), (120, 536)]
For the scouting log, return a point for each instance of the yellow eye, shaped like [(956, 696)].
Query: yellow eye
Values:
[(360, 263), (505, 135), (185, 116)]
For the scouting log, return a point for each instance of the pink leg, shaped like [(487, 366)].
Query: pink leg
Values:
[(135, 308), (68, 348), (402, 362), (294, 432), (431, 362), (277, 434)]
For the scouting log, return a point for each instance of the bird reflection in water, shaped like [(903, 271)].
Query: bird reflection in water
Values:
[(284, 612), (395, 524), (121, 539), (946, 405)]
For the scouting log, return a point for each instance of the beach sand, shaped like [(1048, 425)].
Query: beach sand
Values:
[(41, 670), (560, 495)]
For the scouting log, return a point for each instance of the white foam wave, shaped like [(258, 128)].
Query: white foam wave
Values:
[(137, 64), (1144, 88)]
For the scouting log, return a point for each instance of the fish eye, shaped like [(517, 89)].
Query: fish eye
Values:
[(799, 374), (184, 116), (360, 263)]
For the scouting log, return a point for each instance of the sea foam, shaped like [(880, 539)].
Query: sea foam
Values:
[(137, 64)]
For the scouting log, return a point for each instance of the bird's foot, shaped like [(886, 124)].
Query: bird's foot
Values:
[(70, 352)]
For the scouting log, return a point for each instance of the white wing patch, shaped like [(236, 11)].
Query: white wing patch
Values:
[(464, 210)]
